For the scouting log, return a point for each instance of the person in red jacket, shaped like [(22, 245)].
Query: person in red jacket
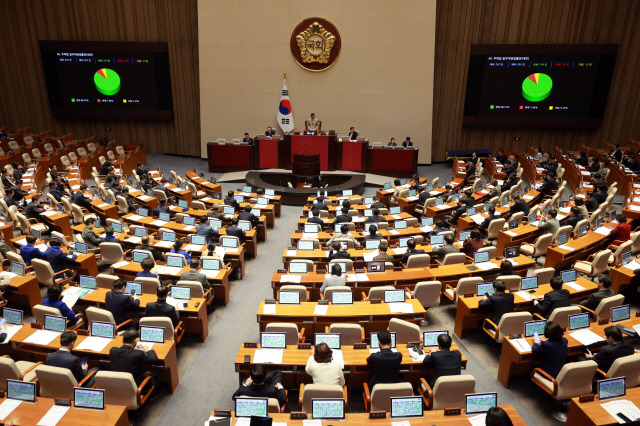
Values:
[(622, 232)]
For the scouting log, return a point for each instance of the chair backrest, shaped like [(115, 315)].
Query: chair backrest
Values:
[(544, 275), (72, 156), (449, 391), (78, 215), (150, 285), (8, 370), (491, 249), (119, 388), (467, 285), (197, 290), (628, 367), (580, 224), (575, 379), (105, 280), (518, 216), (541, 245), (348, 262), (97, 314), (293, 335), (635, 242), (510, 280), (15, 257), (603, 310), (378, 291), (43, 271), (329, 290), (418, 261), (65, 161), (25, 226), (512, 323), (55, 382), (39, 311), (561, 315), (405, 331), (349, 333), (120, 150), (495, 227), (48, 147), (428, 293), (198, 205), (159, 194), (159, 322), (622, 249), (600, 262), (299, 288), (319, 391), (382, 393), (453, 258), (111, 252)]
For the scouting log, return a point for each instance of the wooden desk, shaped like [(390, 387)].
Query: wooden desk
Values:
[(25, 290), (356, 369), (513, 363), (60, 222), (31, 413), (431, 417), (372, 317), (276, 200), (523, 233), (166, 352), (621, 277), (203, 184), (592, 413), (468, 315), (86, 264), (559, 258)]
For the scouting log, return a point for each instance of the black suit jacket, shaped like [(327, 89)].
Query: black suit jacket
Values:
[(129, 360), (261, 391), (119, 304), (499, 304), (554, 299), (234, 231), (445, 363), (591, 204), (548, 187), (342, 218), (353, 136), (32, 211), (520, 206), (79, 199), (154, 251), (385, 366), (573, 220), (320, 206), (316, 220), (594, 299), (407, 143), (247, 216), (342, 254), (488, 220), (65, 359), (409, 253), (610, 353), (378, 205), (162, 309)]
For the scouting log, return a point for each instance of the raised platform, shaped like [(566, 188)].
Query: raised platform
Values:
[(297, 194)]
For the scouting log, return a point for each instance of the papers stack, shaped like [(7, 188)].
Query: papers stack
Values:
[(526, 296), (135, 217), (634, 208), (414, 198), (603, 231), (103, 205), (42, 337), (368, 256), (521, 345), (357, 277), (477, 218), (396, 216), (176, 303), (95, 344), (220, 251), (211, 273), (271, 356), (54, 415), (193, 247), (511, 233), (624, 406), (120, 264), (8, 406), (50, 212), (11, 331), (565, 247), (403, 307), (320, 310), (399, 250), (527, 197), (189, 228), (291, 252), (575, 286), (632, 265), (310, 235), (72, 294), (134, 240), (165, 244), (170, 270), (337, 357), (290, 278), (586, 337), (159, 222), (479, 420), (442, 207), (269, 309), (486, 266), (394, 232)]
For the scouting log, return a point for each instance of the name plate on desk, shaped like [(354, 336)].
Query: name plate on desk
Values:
[(222, 413), (375, 301), (452, 411), (359, 346), (323, 302), (269, 301), (250, 345), (304, 345), (378, 415), (298, 415)]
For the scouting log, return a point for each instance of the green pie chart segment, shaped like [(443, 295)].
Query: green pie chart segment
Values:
[(537, 87), (107, 81)]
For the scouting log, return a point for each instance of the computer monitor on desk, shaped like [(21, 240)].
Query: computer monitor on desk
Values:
[(612, 388), (375, 343), (620, 313), (532, 327), (331, 339), (406, 407), (578, 321), (480, 402), (430, 338), (251, 407), (328, 409), (273, 340)]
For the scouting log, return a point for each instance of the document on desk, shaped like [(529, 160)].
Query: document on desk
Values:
[(511, 233), (633, 207), (103, 205), (368, 256), (414, 198), (586, 337), (317, 422), (8, 406), (170, 270), (11, 331), (416, 356), (403, 307), (603, 230), (269, 309), (310, 235), (442, 207), (624, 406), (50, 212), (189, 228), (565, 247), (426, 228), (400, 250), (565, 210), (269, 356), (477, 218), (220, 251), (393, 232), (211, 273), (159, 222), (165, 244), (479, 420), (291, 279), (525, 295), (632, 265), (144, 197), (401, 423), (362, 277), (71, 295), (134, 240), (291, 252), (42, 337), (396, 216), (574, 285), (320, 310), (486, 266), (54, 415), (94, 344), (337, 357), (527, 197), (521, 345), (193, 247)]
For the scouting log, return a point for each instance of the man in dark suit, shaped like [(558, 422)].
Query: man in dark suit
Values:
[(499, 303), (604, 291), (614, 350), (193, 275), (452, 220), (553, 166), (248, 216), (520, 205), (162, 208), (444, 361), (129, 360), (139, 170), (210, 234), (407, 142), (583, 160), (315, 217), (470, 172), (319, 204), (600, 195), (144, 245), (270, 132), (377, 204), (234, 231), (411, 250), (79, 199), (501, 157), (353, 135), (375, 217), (492, 216), (558, 297), (130, 202), (342, 218), (33, 210), (57, 258), (162, 187), (616, 153), (574, 217), (247, 139), (446, 248), (64, 359), (549, 185), (119, 303), (215, 213), (337, 252), (383, 256), (263, 385), (591, 203), (385, 365), (161, 308), (595, 166), (230, 201), (423, 195)]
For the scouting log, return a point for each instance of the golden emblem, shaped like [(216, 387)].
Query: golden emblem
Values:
[(315, 44)]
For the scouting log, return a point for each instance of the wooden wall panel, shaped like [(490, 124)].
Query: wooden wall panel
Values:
[(23, 98), (461, 23)]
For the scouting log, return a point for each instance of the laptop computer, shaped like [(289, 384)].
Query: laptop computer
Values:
[(80, 248), (620, 313), (480, 402), (529, 283), (86, 281), (400, 224), (12, 316), (140, 232), (169, 236), (484, 288), (149, 334), (511, 252), (211, 264), (569, 276), (139, 256), (229, 242), (406, 407), (17, 268), (273, 340), (189, 221), (198, 240), (372, 244), (174, 261), (92, 399), (297, 268), (164, 217), (430, 338), (480, 257)]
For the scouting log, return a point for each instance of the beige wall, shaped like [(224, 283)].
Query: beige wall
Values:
[(382, 83)]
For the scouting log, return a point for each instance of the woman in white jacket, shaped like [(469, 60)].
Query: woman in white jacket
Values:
[(321, 368)]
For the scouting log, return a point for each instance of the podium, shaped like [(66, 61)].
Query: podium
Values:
[(306, 165)]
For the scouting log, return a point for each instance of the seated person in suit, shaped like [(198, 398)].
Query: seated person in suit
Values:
[(29, 252), (383, 256), (10, 200), (131, 356), (498, 303), (553, 350), (105, 168), (558, 297), (423, 195), (263, 385), (139, 170), (439, 226), (54, 300), (337, 252), (234, 231), (375, 217), (162, 208), (579, 203), (336, 279), (411, 250), (377, 204), (79, 199), (492, 216), (247, 139), (615, 349), (177, 248), (392, 142), (193, 275), (161, 308), (270, 132), (407, 142), (313, 124), (353, 135), (549, 185), (452, 220), (385, 365), (319, 204), (519, 205), (119, 303), (344, 235), (373, 233), (622, 232), (501, 157), (109, 237), (595, 166), (444, 361), (604, 291), (574, 216), (248, 216), (321, 368), (549, 225), (230, 201), (64, 359), (315, 213), (203, 228), (57, 258), (344, 217), (497, 189), (215, 213), (162, 187), (591, 203), (446, 248), (473, 243), (34, 209), (91, 239), (147, 265), (144, 245), (583, 160)]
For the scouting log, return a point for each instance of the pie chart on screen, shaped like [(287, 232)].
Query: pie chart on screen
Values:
[(537, 87), (107, 81)]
